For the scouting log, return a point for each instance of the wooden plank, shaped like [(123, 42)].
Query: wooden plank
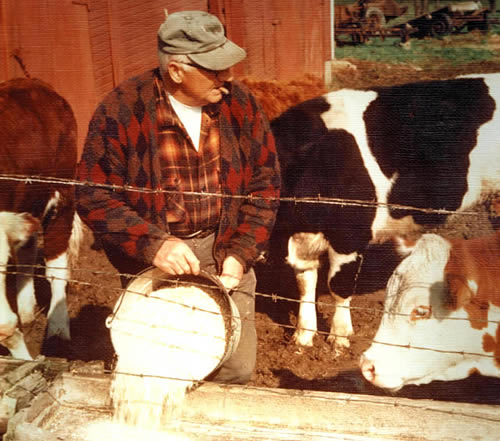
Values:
[(26, 389), (7, 411), (22, 381), (28, 432), (244, 413)]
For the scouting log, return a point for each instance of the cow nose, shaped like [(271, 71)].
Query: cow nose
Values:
[(367, 368)]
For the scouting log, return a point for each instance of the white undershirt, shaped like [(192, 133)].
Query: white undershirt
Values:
[(190, 117)]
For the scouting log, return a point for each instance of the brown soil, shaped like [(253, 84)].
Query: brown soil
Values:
[(280, 363)]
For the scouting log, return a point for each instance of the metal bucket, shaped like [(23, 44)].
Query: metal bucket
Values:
[(152, 280)]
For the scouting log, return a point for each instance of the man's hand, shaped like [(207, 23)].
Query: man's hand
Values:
[(175, 257), (232, 272)]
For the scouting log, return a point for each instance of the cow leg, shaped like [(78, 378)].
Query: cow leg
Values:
[(341, 327), (304, 251), (57, 240), (10, 336), (8, 320), (57, 273), (15, 231), (26, 260), (306, 322), (17, 346)]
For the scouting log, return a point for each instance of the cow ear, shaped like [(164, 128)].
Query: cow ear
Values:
[(458, 294), (20, 231), (462, 295), (403, 245)]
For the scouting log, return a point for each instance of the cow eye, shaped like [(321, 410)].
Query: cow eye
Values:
[(421, 312)]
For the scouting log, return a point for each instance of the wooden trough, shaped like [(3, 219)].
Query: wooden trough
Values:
[(77, 400)]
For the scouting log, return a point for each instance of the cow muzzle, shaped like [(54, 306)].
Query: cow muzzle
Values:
[(386, 380)]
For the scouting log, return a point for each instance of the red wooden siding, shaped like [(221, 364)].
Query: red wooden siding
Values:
[(284, 39), (52, 39), (86, 47)]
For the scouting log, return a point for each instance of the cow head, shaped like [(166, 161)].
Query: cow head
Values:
[(426, 333), (18, 228)]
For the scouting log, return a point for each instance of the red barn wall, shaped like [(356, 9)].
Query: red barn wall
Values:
[(85, 48), (52, 40)]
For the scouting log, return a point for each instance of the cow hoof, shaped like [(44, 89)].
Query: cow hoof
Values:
[(17, 346), (340, 344), (58, 319), (55, 330), (304, 338)]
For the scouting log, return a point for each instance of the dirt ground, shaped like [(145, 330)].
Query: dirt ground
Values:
[(281, 363)]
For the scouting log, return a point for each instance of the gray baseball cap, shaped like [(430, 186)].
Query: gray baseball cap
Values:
[(200, 36)]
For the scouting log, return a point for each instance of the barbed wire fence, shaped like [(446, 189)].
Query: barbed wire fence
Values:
[(273, 297)]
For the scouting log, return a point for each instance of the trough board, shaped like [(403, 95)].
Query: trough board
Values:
[(74, 403)]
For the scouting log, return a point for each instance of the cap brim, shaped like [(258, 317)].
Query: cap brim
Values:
[(220, 58)]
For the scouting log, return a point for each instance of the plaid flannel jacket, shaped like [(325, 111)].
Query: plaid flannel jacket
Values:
[(121, 149)]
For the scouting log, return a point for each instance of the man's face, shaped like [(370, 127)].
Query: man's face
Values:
[(201, 86)]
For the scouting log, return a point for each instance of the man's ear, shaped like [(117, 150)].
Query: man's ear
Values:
[(175, 72)]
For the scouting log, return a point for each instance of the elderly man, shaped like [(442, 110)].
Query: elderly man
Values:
[(197, 158)]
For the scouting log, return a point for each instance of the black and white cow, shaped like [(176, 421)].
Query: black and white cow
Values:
[(38, 140), (432, 144)]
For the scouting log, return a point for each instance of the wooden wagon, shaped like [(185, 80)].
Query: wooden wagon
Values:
[(365, 19), (453, 17)]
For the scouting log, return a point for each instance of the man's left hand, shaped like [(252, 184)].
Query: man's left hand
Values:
[(232, 272)]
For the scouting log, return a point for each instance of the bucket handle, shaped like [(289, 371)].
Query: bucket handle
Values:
[(214, 279)]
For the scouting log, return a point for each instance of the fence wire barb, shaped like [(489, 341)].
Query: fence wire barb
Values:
[(318, 199), (306, 200), (293, 327)]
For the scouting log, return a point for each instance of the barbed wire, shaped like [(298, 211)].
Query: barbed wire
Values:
[(273, 297), (333, 397), (283, 325), (30, 179)]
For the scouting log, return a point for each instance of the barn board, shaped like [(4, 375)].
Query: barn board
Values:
[(216, 412)]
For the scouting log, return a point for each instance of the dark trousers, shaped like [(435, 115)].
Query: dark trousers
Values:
[(239, 367)]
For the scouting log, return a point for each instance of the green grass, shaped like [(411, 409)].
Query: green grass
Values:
[(454, 49), (421, 52)]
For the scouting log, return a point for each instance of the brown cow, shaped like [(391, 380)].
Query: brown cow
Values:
[(38, 139), (442, 314)]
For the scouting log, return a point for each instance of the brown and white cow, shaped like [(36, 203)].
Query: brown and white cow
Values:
[(442, 314), (429, 145), (37, 139)]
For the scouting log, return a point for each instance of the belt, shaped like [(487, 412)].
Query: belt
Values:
[(200, 234)]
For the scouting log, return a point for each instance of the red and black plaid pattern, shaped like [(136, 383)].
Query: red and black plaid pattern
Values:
[(122, 149), (187, 172)]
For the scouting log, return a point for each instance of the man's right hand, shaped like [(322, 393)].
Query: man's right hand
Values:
[(175, 257)]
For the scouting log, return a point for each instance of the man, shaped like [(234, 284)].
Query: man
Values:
[(198, 160)]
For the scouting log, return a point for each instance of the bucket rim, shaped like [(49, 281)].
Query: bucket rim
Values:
[(156, 274)]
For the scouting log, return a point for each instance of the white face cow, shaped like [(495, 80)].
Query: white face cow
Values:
[(441, 316)]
